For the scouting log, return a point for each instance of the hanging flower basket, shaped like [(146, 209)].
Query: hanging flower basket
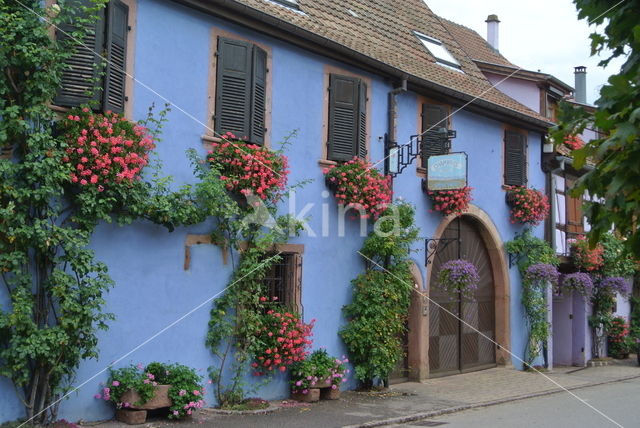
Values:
[(585, 258), (250, 169), (542, 274), (458, 276), (357, 184), (528, 206), (450, 201), (579, 282)]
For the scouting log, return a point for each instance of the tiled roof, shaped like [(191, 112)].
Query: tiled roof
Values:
[(383, 31), (475, 45)]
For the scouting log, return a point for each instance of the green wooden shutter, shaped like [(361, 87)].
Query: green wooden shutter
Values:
[(362, 121), (233, 87), (258, 95), (116, 53), (515, 159), (80, 81), (344, 98), (434, 118)]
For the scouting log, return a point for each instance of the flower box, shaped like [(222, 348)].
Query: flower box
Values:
[(160, 398), (330, 393), (312, 395)]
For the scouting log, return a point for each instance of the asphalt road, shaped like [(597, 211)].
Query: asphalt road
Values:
[(619, 401)]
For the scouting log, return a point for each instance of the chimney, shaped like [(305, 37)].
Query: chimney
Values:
[(492, 30), (580, 94)]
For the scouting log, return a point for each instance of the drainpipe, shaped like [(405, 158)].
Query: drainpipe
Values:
[(391, 120), (391, 137), (552, 207)]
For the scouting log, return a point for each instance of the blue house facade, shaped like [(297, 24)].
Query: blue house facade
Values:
[(402, 74)]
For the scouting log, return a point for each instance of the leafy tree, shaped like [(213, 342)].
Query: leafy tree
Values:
[(616, 155)]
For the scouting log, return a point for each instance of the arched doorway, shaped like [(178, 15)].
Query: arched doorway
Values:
[(454, 346)]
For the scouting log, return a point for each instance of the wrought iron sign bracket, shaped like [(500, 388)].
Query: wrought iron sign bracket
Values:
[(432, 245), (398, 157)]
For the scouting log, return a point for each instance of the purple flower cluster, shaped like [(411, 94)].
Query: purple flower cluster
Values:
[(458, 276), (579, 281), (542, 272), (616, 283)]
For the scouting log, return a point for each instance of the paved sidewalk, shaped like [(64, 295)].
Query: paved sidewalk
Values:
[(412, 401)]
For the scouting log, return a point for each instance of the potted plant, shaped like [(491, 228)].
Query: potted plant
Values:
[(618, 339), (319, 373), (458, 276), (450, 201), (358, 184), (528, 206), (136, 388)]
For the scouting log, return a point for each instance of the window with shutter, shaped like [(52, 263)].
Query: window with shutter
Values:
[(515, 158), (82, 81), (347, 128), (241, 90), (435, 123)]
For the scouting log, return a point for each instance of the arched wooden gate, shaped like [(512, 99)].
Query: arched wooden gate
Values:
[(454, 347)]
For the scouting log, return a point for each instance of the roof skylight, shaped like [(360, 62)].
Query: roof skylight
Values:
[(291, 3), (439, 51)]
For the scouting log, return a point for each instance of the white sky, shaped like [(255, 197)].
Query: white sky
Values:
[(543, 35)]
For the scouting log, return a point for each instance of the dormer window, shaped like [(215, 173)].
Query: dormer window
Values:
[(293, 4), (439, 51)]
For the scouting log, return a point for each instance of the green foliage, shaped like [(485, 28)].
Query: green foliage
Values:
[(377, 315), (616, 154), (54, 284), (617, 261), (531, 251), (634, 318)]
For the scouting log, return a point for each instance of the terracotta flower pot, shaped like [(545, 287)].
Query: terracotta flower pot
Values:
[(330, 394)]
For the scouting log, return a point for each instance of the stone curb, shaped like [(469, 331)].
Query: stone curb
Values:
[(272, 408), (448, 410)]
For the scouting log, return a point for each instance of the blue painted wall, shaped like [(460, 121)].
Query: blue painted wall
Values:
[(146, 262)]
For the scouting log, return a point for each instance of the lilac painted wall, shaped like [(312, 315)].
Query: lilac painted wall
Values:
[(524, 91)]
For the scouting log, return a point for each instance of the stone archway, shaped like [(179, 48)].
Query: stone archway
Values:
[(494, 247)]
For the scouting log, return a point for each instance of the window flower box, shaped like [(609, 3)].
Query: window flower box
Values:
[(528, 206)]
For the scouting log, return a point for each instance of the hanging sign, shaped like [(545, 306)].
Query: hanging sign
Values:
[(446, 172)]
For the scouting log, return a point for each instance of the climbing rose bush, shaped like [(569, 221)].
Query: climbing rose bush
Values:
[(357, 184), (250, 169), (458, 276), (527, 205), (104, 149), (450, 201), (283, 340), (585, 258)]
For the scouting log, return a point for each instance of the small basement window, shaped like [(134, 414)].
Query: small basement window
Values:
[(439, 51)]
